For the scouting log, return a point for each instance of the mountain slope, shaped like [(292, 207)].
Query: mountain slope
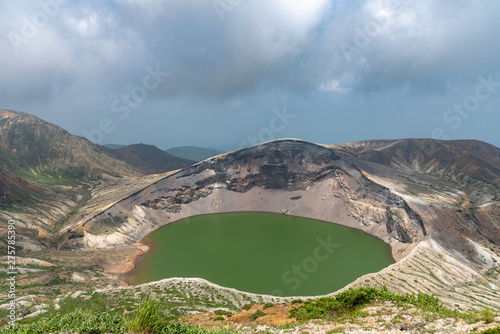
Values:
[(466, 158), (193, 153), (398, 177), (462, 177), (48, 176), (149, 159), (366, 176), (13, 188), (114, 146), (31, 145)]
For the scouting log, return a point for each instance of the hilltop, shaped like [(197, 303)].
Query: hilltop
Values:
[(29, 145)]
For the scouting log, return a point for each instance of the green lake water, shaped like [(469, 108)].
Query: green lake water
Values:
[(262, 253)]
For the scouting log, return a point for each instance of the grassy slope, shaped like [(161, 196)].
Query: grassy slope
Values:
[(148, 314)]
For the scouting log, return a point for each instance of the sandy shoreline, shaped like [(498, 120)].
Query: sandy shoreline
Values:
[(129, 263)]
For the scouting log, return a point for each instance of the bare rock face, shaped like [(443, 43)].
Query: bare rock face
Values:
[(74, 239)]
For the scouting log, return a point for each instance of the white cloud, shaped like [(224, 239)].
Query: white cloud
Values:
[(333, 86), (86, 26), (303, 12)]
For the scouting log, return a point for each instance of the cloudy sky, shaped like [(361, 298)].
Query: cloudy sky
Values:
[(230, 73)]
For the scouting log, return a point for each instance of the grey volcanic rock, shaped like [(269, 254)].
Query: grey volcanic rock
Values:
[(454, 186)]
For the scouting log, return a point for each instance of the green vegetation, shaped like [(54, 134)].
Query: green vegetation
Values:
[(338, 330), (495, 330), (154, 315), (256, 315), (268, 305), (488, 316), (147, 318), (349, 303), (79, 321), (247, 306), (222, 312)]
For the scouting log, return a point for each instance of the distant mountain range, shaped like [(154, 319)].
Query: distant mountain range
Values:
[(114, 146), (189, 153), (149, 159), (193, 153)]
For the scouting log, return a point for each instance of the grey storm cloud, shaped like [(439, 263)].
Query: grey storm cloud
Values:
[(117, 40), (302, 45), (422, 43), (73, 59)]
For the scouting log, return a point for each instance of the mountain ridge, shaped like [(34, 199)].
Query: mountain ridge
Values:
[(149, 159), (193, 153), (28, 143)]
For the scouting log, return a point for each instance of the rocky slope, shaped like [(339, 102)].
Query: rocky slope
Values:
[(454, 184), (290, 176), (14, 189)]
